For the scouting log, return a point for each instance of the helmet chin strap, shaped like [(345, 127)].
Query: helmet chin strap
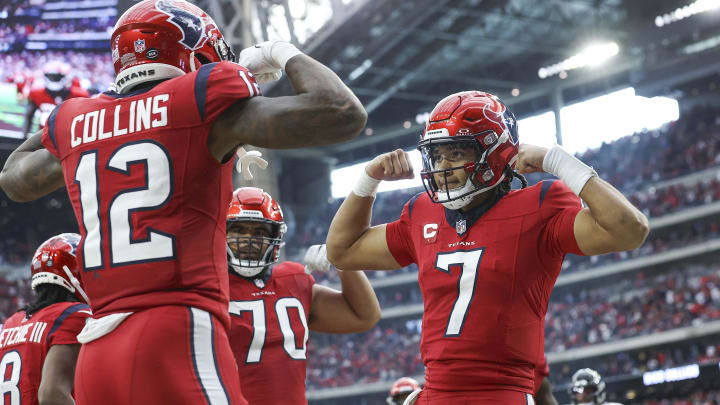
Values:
[(246, 270), (74, 281), (192, 61), (462, 202)]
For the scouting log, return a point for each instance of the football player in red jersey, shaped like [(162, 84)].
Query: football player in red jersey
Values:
[(56, 86), (273, 306), (488, 256), (38, 344), (148, 170)]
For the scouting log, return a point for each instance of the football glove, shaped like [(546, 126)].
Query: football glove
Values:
[(316, 259), (245, 159), (266, 60)]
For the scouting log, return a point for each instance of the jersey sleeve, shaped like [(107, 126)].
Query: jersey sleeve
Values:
[(559, 207), (399, 237), (66, 327), (219, 85), (49, 140)]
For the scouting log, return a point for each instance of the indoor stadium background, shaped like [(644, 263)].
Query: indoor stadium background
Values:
[(631, 86)]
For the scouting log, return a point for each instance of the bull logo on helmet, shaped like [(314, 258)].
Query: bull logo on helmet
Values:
[(191, 26)]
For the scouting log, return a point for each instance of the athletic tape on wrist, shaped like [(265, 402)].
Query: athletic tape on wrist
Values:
[(366, 186), (282, 51), (568, 168)]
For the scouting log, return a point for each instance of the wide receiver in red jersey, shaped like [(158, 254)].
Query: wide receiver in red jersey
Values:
[(148, 171), (56, 86), (488, 256), (38, 344), (273, 306)]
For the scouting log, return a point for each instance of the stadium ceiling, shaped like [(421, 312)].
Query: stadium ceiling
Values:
[(401, 56)]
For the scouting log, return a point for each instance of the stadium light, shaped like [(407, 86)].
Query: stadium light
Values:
[(697, 7), (593, 55)]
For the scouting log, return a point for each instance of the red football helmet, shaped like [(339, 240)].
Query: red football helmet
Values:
[(402, 386), (470, 119), (55, 262), (249, 255), (161, 39), (56, 75)]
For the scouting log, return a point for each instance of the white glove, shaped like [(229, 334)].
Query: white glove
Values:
[(266, 60), (245, 159), (316, 259)]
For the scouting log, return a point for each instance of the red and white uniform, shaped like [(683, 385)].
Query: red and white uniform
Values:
[(269, 333), (46, 102), (486, 283), (151, 202), (25, 342)]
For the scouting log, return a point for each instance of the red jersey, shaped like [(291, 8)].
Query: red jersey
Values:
[(486, 278), (24, 343), (46, 103), (269, 333), (149, 197)]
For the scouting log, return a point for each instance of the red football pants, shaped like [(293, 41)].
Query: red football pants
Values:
[(165, 355), (504, 397)]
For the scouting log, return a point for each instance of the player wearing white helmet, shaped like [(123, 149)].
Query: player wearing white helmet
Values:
[(588, 388)]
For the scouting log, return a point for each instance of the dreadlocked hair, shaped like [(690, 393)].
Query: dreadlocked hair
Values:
[(48, 294), (510, 174)]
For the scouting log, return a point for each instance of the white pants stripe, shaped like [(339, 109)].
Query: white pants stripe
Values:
[(203, 352)]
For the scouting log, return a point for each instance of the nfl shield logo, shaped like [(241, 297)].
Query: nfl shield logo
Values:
[(139, 45), (460, 226), (259, 283)]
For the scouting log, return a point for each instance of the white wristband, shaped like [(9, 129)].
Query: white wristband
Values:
[(568, 168), (282, 51), (366, 186)]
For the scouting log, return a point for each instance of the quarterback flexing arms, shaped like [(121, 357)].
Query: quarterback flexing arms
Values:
[(38, 344), (148, 170), (274, 305), (488, 256)]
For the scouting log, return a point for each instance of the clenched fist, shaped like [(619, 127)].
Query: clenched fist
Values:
[(394, 165), (530, 159)]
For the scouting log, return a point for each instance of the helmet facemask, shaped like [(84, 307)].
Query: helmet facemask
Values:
[(250, 255), (463, 153)]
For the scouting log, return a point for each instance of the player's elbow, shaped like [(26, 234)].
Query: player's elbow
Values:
[(54, 395), (634, 230), (343, 113), (12, 190), (338, 256)]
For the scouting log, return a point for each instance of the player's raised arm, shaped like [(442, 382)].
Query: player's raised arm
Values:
[(58, 375), (351, 243), (323, 111), (31, 171), (609, 223), (354, 309)]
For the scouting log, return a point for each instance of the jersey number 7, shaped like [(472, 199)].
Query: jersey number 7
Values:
[(469, 262)]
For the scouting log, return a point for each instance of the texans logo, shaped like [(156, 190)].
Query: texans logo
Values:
[(191, 26), (501, 116)]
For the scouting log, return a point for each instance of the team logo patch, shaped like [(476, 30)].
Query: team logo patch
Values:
[(461, 226), (191, 26), (152, 53), (139, 45)]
